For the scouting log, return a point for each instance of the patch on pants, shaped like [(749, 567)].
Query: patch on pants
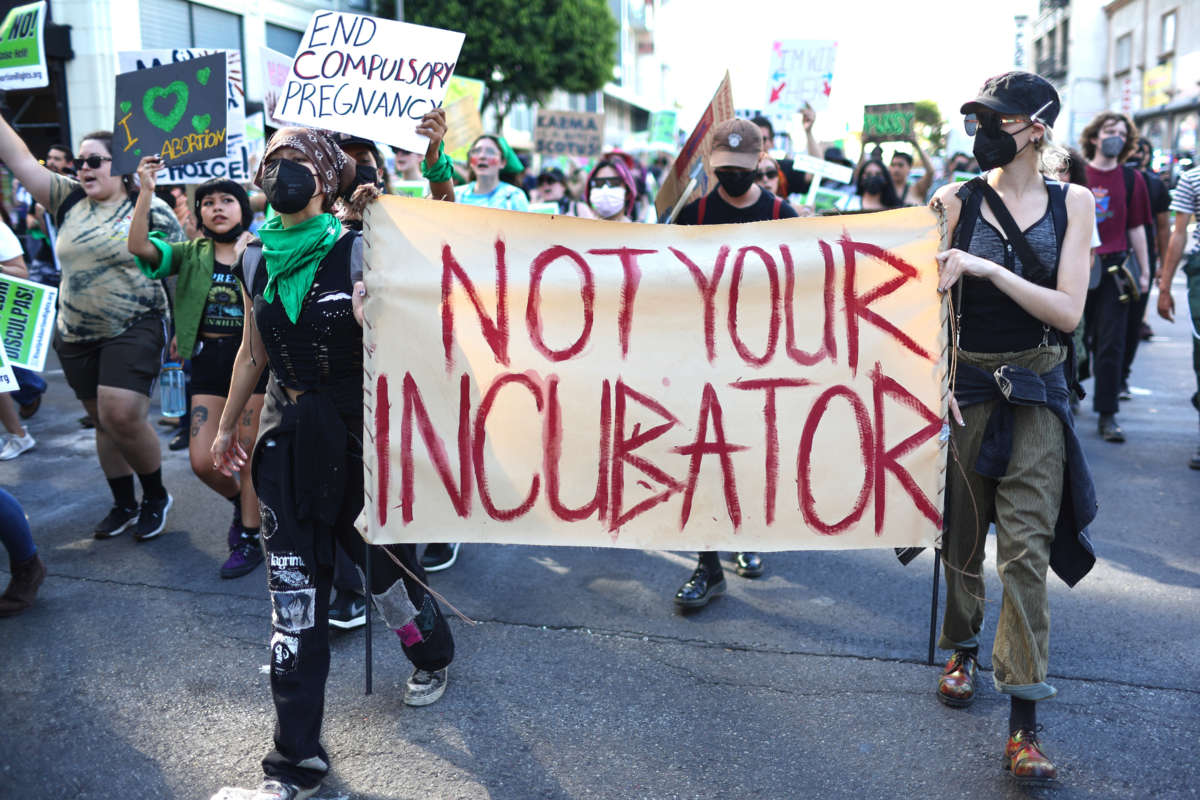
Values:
[(269, 522), (287, 571), (394, 605), (285, 651), (294, 611)]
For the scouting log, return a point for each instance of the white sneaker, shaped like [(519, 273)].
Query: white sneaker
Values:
[(424, 687), (15, 445)]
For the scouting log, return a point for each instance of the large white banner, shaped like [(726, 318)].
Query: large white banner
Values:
[(551, 380)]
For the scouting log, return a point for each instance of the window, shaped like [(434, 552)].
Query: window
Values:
[(1123, 54), (1166, 34), (167, 24), (1066, 42), (285, 40)]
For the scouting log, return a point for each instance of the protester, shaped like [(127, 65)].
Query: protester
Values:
[(408, 165), (737, 147), (1016, 303), (770, 177), (1186, 205), (552, 188), (24, 563), (611, 191), (307, 463), (874, 189), (111, 321), (1122, 211), (959, 162), (1157, 234), (899, 170), (208, 326), (491, 161), (794, 180)]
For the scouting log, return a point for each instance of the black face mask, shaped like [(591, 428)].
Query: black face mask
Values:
[(364, 175), (873, 185), (736, 183), (288, 186), (995, 147), (228, 236)]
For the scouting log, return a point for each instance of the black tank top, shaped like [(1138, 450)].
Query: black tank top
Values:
[(992, 322), (323, 349)]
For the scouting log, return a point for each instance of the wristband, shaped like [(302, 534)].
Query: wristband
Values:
[(442, 171)]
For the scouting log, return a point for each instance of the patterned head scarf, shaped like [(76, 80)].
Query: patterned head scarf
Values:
[(334, 167)]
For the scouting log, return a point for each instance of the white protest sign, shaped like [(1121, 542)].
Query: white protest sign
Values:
[(22, 48), (236, 164), (276, 66), (371, 77), (27, 312), (802, 162), (8, 381), (801, 72)]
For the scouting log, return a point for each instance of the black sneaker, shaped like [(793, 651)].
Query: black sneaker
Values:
[(152, 518), (115, 523), (180, 440), (348, 610), (439, 556)]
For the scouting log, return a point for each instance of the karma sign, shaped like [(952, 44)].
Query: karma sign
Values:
[(552, 380), (569, 133), (371, 77), (176, 110)]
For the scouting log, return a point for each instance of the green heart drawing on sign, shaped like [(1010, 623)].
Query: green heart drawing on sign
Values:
[(200, 122), (137, 152), (125, 106), (168, 121), (202, 75)]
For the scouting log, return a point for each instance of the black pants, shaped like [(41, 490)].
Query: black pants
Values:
[(300, 574), (1133, 329), (1107, 321)]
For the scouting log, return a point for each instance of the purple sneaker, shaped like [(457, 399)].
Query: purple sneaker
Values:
[(234, 536), (243, 559)]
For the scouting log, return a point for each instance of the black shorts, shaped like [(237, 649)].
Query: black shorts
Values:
[(212, 367), (129, 360)]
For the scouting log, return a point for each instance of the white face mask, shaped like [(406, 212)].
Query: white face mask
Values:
[(608, 201)]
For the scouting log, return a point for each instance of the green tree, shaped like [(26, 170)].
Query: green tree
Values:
[(524, 49), (929, 125)]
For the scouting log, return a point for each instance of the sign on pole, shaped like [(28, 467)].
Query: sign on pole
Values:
[(371, 77), (22, 48), (176, 110), (276, 66), (801, 72), (569, 133), (236, 164), (26, 321), (693, 157), (558, 381), (888, 122)]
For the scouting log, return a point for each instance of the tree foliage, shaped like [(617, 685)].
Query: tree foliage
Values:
[(524, 49), (929, 125)]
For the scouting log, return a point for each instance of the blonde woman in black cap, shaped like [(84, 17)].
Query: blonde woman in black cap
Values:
[(1018, 274)]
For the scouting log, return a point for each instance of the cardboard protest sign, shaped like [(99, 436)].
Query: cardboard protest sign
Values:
[(276, 66), (8, 381), (569, 133), (693, 157), (801, 72), (26, 321), (552, 380), (371, 77), (22, 54), (889, 121), (177, 110), (664, 127), (463, 126), (237, 163)]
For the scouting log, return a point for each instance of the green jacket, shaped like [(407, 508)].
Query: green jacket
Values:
[(193, 262)]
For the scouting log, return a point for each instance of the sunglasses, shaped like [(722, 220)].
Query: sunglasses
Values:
[(767, 174), (608, 183), (972, 121), (92, 162)]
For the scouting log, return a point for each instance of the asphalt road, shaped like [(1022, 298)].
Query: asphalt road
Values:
[(141, 674)]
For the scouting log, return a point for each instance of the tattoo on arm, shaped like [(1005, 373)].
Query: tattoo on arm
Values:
[(248, 417), (199, 417)]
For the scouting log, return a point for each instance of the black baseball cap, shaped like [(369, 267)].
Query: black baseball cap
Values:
[(344, 140), (1020, 93)]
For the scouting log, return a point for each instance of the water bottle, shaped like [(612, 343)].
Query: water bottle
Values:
[(173, 398)]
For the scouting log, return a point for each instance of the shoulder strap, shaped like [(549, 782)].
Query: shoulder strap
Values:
[(1011, 230), (251, 259), (778, 204), (700, 209), (69, 202), (1128, 173), (968, 214), (1058, 213)]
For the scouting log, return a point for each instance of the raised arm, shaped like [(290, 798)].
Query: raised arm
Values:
[(921, 187), (433, 125), (139, 226), (16, 156)]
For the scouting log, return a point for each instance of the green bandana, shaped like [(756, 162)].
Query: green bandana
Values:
[(292, 256)]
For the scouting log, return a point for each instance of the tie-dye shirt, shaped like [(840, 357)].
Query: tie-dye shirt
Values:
[(103, 292), (505, 195)]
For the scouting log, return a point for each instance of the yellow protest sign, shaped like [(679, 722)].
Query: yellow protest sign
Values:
[(552, 380)]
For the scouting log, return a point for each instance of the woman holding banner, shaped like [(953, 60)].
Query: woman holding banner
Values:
[(111, 320), (1018, 270), (307, 464)]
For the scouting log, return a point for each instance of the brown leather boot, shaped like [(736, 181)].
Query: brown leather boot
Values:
[(26, 578)]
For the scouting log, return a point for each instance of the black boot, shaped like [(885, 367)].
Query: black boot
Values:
[(26, 578), (705, 584)]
